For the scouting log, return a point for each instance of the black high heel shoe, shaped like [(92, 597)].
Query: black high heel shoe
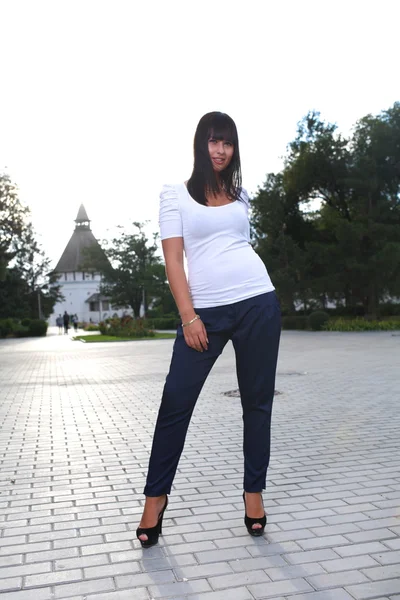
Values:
[(152, 532), (249, 522)]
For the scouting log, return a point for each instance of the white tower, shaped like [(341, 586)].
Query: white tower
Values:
[(81, 289)]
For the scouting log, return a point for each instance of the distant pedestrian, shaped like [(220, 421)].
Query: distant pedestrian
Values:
[(75, 321), (66, 322), (59, 323)]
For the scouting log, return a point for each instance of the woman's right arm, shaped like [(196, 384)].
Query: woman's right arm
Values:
[(195, 333)]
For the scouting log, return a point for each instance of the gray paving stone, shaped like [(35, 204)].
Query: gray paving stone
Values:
[(364, 591), (145, 579), (276, 588), (310, 556), (347, 564), (238, 579), (10, 584), (198, 571), (222, 555), (323, 542), (387, 558), (34, 557), (293, 572), (260, 562), (235, 594), (334, 594), (138, 594), (386, 572), (171, 590), (355, 549), (111, 570), (332, 495), (42, 579), (372, 535), (181, 560), (335, 580), (83, 588), (32, 594)]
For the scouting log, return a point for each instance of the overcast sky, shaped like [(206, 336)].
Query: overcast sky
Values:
[(100, 99)]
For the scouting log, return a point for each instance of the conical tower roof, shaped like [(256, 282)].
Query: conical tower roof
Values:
[(73, 256), (82, 215)]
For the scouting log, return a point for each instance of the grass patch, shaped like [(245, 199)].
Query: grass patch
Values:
[(94, 339)]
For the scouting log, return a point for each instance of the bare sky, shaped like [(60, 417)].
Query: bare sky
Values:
[(100, 99)]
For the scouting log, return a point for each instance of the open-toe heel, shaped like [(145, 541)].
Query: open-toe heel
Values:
[(152, 533), (249, 522)]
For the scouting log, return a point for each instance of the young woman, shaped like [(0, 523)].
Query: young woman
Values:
[(228, 295)]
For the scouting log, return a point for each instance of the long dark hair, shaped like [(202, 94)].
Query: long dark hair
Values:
[(219, 126)]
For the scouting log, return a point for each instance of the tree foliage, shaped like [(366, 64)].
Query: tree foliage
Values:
[(24, 268), (132, 272), (347, 250)]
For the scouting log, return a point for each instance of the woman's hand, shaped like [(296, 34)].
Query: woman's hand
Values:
[(196, 335)]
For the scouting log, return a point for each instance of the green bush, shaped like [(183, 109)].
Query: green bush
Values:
[(25, 328), (126, 327), (91, 327), (21, 331), (389, 309), (361, 325), (163, 322), (295, 322), (37, 327), (6, 327), (318, 319)]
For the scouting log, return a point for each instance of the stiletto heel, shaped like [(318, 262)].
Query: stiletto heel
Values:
[(249, 522), (152, 533)]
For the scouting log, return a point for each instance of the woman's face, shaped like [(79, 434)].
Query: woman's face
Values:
[(221, 153)]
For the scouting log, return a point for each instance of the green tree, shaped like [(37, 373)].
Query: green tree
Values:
[(27, 289), (13, 222), (130, 268), (33, 266), (348, 250)]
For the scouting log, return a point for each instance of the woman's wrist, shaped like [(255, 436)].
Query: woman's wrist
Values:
[(187, 315), (195, 318)]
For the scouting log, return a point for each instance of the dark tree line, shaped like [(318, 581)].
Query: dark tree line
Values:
[(27, 290), (346, 250)]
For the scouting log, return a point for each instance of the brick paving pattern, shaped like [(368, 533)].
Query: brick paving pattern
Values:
[(76, 425)]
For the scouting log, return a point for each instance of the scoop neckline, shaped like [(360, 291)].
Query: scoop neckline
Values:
[(205, 206)]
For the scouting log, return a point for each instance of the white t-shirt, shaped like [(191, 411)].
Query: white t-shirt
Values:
[(223, 268)]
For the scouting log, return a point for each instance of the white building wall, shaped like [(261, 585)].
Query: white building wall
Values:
[(76, 289)]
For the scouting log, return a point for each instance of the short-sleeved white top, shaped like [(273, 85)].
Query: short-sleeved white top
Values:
[(223, 268)]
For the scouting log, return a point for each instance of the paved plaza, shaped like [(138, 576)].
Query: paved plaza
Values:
[(76, 426)]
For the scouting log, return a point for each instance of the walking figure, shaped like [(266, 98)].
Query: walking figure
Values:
[(66, 322), (59, 323), (228, 295)]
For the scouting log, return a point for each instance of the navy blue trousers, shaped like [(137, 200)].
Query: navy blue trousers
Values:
[(254, 326)]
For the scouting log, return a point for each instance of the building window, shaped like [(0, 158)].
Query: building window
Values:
[(106, 305), (94, 306)]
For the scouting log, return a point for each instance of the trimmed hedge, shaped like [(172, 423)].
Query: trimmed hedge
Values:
[(361, 325), (295, 322), (318, 319), (24, 328), (163, 322)]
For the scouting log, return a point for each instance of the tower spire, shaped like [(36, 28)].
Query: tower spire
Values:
[(82, 220)]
